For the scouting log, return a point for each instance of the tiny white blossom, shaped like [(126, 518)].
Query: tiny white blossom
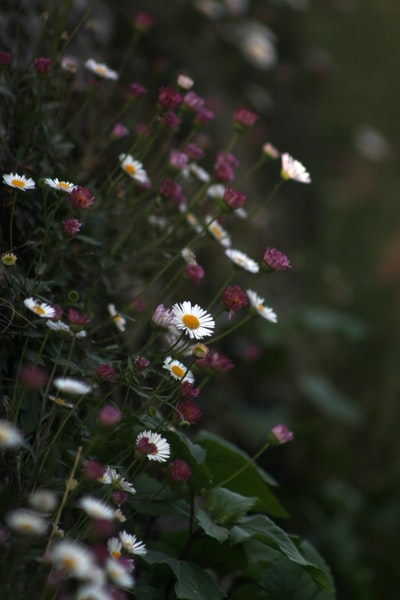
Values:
[(72, 386), (100, 69), (19, 182), (293, 169)]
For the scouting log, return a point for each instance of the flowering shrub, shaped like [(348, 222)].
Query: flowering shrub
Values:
[(111, 489)]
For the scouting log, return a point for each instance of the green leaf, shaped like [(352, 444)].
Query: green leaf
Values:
[(224, 459), (324, 320), (227, 506), (211, 528), (145, 592), (328, 399), (192, 582)]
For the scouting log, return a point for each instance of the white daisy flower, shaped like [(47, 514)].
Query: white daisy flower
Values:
[(115, 479), (132, 544), (133, 168), (114, 547), (193, 320), (56, 184), (20, 182), (118, 574), (195, 170), (40, 308), (293, 169), (242, 260), (100, 69), (61, 402), (43, 500), (178, 370), (218, 232), (26, 521), (194, 222), (72, 386), (216, 191), (73, 559), (61, 327), (119, 516), (119, 320), (153, 446), (96, 508), (92, 592), (257, 304), (10, 437)]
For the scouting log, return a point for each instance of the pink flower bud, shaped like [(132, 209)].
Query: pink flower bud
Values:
[(280, 434), (180, 470), (109, 415)]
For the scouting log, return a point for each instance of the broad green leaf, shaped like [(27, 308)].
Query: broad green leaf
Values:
[(145, 592), (224, 459), (211, 528), (227, 506), (321, 392), (192, 582)]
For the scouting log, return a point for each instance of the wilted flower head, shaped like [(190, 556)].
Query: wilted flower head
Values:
[(81, 197), (293, 169), (106, 372), (168, 98), (215, 361), (243, 119), (43, 65), (233, 199), (179, 470), (225, 165), (162, 317), (280, 434), (193, 102), (189, 411), (71, 226), (233, 299), (276, 260)]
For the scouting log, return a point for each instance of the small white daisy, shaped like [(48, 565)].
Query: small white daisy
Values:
[(114, 547), (20, 182), (178, 370), (257, 304), (96, 508), (61, 327), (73, 559), (194, 222), (132, 544), (115, 479), (119, 320), (119, 516), (43, 500), (293, 169), (242, 260), (56, 184), (72, 386), (216, 191), (61, 402), (153, 445), (218, 232), (100, 69), (193, 320), (40, 308), (26, 521), (118, 574), (10, 436), (133, 168)]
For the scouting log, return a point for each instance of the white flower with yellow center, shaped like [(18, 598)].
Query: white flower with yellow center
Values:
[(119, 320), (257, 303), (218, 232), (193, 320), (96, 508), (40, 308), (26, 521), (153, 445), (114, 547), (242, 260), (72, 559), (115, 479), (100, 69), (118, 574), (61, 402), (132, 544), (20, 182), (62, 186), (68, 385), (194, 222), (178, 370), (293, 169), (10, 436), (133, 168)]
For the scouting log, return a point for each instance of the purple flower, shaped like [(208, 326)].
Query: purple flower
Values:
[(276, 260), (43, 66), (280, 434), (71, 226)]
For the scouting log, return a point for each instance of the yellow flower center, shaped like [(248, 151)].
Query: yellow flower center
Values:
[(64, 185), (18, 183), (178, 371), (216, 231), (38, 309), (116, 554), (101, 70), (68, 563), (261, 307), (130, 169), (191, 321)]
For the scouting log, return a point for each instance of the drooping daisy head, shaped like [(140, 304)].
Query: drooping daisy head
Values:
[(259, 308), (40, 308), (100, 69), (243, 261), (62, 186), (193, 320), (19, 182), (10, 436), (178, 370), (133, 168), (116, 480), (68, 385), (218, 232), (119, 320), (153, 445), (293, 169), (131, 544)]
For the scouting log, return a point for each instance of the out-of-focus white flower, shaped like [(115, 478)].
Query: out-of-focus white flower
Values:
[(26, 521), (100, 69)]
